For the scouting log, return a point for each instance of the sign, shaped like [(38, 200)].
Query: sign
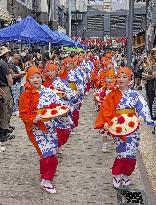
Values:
[(118, 1), (119, 5)]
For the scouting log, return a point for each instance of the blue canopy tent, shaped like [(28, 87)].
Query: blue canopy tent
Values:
[(26, 31), (80, 45), (52, 34), (66, 39), (62, 38)]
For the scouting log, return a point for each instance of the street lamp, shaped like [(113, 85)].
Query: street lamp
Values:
[(84, 31), (69, 16), (130, 33)]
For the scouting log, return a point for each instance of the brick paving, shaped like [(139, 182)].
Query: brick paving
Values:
[(83, 176)]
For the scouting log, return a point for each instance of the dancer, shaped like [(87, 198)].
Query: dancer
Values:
[(120, 102), (42, 134), (108, 86), (65, 125)]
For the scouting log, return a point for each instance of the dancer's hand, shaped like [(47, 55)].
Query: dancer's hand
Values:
[(141, 120), (65, 96), (106, 126), (37, 118)]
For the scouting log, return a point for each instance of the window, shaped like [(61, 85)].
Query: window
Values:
[(95, 23), (139, 1)]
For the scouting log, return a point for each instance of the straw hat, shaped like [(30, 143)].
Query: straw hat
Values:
[(50, 113), (3, 50), (154, 49), (123, 124)]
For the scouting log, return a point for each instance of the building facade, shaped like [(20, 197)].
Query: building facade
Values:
[(106, 17), (38, 9), (52, 12), (12, 11), (5, 16), (58, 14), (151, 25)]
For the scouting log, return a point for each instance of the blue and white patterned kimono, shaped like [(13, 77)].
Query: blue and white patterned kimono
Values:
[(65, 122), (58, 83), (89, 68), (47, 142), (73, 76), (83, 68), (132, 99), (81, 75)]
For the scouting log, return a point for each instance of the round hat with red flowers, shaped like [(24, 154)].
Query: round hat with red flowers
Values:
[(123, 124), (52, 111)]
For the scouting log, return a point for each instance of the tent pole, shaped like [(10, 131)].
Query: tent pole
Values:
[(20, 48), (49, 47), (29, 46)]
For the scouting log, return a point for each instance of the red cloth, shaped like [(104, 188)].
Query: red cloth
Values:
[(123, 166), (75, 117), (48, 167), (88, 85), (63, 136)]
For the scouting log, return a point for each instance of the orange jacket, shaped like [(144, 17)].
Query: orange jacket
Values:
[(102, 77), (27, 105), (108, 107), (47, 82), (95, 78), (63, 73)]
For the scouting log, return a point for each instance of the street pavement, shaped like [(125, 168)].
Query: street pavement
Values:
[(84, 172)]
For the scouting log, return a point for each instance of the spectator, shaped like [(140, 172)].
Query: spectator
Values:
[(6, 82), (150, 78), (138, 74), (17, 74)]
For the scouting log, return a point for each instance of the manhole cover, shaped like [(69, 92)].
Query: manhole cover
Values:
[(131, 197)]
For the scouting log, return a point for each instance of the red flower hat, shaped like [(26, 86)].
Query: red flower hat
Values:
[(54, 112), (121, 119), (123, 124)]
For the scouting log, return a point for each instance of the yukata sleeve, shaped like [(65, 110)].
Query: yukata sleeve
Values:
[(71, 95), (55, 99), (71, 77), (25, 111), (68, 90), (142, 109)]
